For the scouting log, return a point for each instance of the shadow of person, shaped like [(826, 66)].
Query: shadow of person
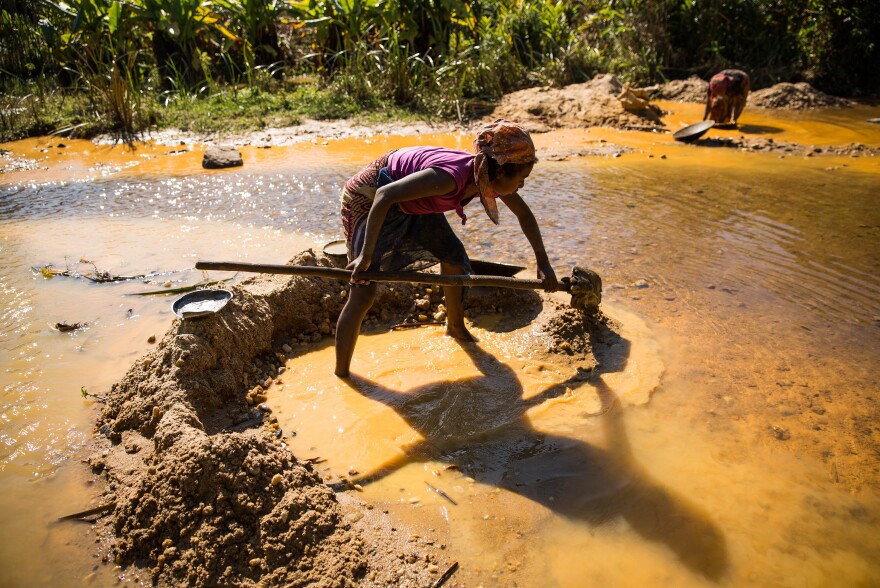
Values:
[(759, 130), (479, 425)]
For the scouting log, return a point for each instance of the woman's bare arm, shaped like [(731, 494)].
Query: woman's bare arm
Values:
[(428, 182), (530, 229)]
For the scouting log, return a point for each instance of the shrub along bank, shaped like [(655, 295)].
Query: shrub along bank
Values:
[(80, 67)]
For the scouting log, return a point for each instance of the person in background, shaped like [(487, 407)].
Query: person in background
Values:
[(393, 218), (726, 97)]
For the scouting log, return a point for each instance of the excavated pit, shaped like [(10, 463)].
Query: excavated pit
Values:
[(205, 489)]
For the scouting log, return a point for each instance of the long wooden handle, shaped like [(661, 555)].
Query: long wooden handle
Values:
[(343, 274)]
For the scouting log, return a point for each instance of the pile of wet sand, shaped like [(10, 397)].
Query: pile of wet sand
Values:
[(205, 490), (692, 89), (798, 96), (594, 103)]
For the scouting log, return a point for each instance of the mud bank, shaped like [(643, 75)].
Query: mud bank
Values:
[(602, 102), (787, 148), (310, 131), (206, 492)]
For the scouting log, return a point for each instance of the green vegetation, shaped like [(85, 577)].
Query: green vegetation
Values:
[(86, 394), (80, 67)]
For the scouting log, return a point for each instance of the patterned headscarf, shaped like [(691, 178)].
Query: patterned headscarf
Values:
[(505, 142)]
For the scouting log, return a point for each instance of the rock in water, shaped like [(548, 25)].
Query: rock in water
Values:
[(218, 157)]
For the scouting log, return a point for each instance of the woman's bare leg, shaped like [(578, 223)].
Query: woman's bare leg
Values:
[(348, 327), (455, 306)]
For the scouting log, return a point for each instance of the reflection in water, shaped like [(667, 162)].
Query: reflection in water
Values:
[(479, 426)]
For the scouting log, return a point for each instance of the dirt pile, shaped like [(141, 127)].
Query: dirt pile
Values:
[(594, 103), (603, 101), (206, 492), (798, 96), (233, 509), (205, 489), (570, 331), (693, 89)]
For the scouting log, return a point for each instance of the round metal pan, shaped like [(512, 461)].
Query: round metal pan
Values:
[(337, 252), (200, 303), (693, 132)]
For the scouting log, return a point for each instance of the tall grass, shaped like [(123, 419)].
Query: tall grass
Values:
[(22, 47)]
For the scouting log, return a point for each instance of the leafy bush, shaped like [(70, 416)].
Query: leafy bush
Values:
[(446, 58)]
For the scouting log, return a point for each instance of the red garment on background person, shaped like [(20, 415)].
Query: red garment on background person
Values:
[(726, 96)]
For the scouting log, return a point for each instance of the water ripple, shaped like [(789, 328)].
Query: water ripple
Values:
[(676, 227)]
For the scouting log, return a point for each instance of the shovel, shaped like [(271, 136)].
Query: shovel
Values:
[(584, 285)]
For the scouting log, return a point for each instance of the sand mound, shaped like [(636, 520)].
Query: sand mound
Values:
[(798, 96), (205, 490), (594, 103), (693, 89), (233, 509)]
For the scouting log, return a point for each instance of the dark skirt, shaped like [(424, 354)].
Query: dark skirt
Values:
[(409, 242)]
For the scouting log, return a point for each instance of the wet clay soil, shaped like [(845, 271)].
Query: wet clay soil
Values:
[(205, 488)]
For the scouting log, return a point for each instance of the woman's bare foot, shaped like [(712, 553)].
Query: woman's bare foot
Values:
[(461, 333)]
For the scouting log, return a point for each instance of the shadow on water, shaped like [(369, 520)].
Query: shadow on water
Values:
[(759, 130), (480, 426), (748, 129), (527, 302)]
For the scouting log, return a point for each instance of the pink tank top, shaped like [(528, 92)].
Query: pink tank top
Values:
[(458, 164)]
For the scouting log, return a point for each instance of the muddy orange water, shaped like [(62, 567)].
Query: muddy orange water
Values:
[(745, 447)]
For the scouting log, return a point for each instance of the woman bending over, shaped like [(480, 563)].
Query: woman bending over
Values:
[(392, 218)]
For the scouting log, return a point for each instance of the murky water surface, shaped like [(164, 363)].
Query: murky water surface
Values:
[(747, 285)]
